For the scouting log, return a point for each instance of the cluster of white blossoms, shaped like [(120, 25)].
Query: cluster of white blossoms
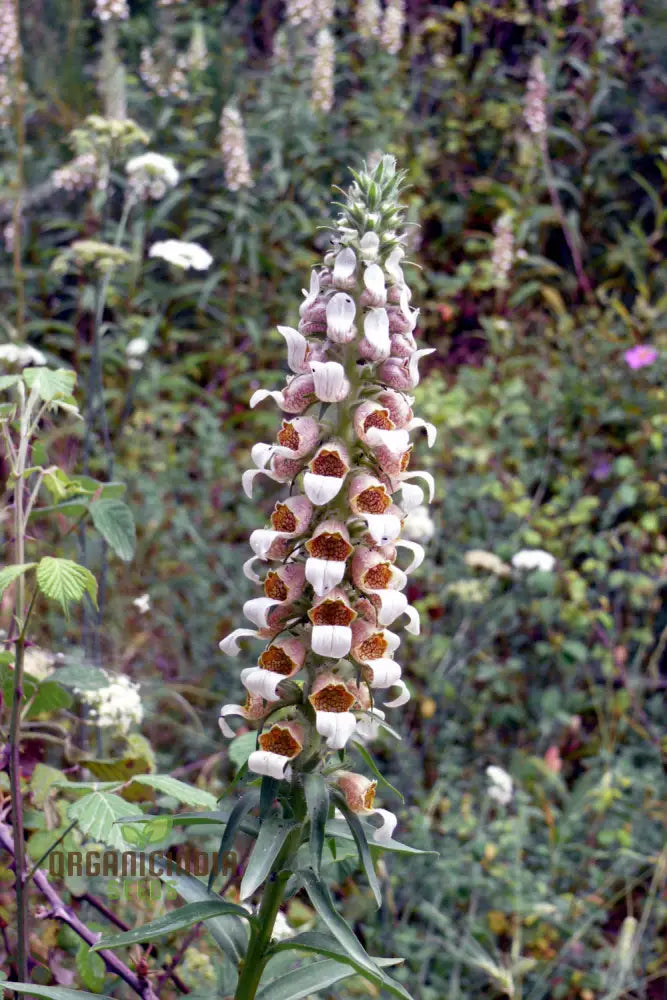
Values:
[(118, 705), (234, 149), (612, 21), (534, 559), (393, 25), (535, 104), (311, 14), (182, 254), (151, 175), (501, 787), (79, 174), (367, 18), (10, 45), (112, 10), (322, 92), (502, 251), (328, 561), (167, 76), (21, 355)]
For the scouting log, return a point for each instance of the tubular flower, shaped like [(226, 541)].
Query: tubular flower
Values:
[(331, 561), (359, 793)]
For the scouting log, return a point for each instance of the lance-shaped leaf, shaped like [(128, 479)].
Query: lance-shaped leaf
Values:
[(363, 751), (304, 982), (272, 835), (240, 810), (338, 828), (228, 930), (177, 920), (65, 581), (113, 519), (314, 942), (180, 790), (53, 992), (317, 800), (361, 841)]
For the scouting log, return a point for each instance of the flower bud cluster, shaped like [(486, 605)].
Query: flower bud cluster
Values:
[(368, 15), (112, 10), (393, 24), (309, 14), (151, 175), (234, 149), (502, 252), (166, 73), (331, 560), (535, 104), (322, 94), (79, 174), (10, 45)]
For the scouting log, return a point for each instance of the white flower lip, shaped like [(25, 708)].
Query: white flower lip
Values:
[(230, 643), (376, 330), (262, 682), (344, 267), (375, 285), (311, 295), (270, 765), (340, 312), (397, 441), (261, 394), (402, 699), (297, 346), (331, 385), (182, 254), (324, 574), (321, 489), (336, 727), (257, 608), (333, 641), (386, 672), (369, 246), (384, 528)]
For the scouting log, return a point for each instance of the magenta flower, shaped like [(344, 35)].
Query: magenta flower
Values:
[(640, 356)]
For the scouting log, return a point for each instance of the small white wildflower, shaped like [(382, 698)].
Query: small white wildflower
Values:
[(10, 45), (535, 104), (112, 10), (322, 93), (298, 12), (151, 175), (234, 149), (529, 559), (612, 21), (182, 254), (282, 929), (143, 603), (21, 355), (502, 253), (38, 662), (391, 36), (118, 705), (368, 18), (501, 787), (489, 561), (418, 526), (79, 174)]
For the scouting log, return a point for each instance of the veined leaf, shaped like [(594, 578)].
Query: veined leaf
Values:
[(272, 835), (320, 944), (304, 982), (114, 521), (65, 581), (53, 992), (96, 815), (185, 793), (317, 800), (11, 573), (227, 930), (177, 920), (51, 384), (48, 697)]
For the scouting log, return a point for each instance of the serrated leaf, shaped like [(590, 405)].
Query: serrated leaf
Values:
[(51, 384), (185, 793), (52, 992), (96, 815), (304, 982), (48, 697), (65, 581), (272, 835), (11, 573), (228, 931), (114, 521), (43, 777), (317, 800), (177, 920), (144, 834), (91, 968), (314, 942)]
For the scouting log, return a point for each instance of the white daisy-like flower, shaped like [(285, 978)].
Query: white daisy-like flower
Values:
[(530, 559), (182, 254)]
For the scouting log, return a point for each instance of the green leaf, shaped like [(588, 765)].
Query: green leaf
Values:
[(115, 523), (7, 381), (48, 697), (185, 793), (304, 982), (52, 992), (51, 384), (321, 944), (361, 841), (240, 810), (272, 835), (339, 828), (83, 677), (177, 920), (361, 749), (91, 968), (11, 573), (241, 747), (227, 930), (320, 897), (317, 800), (96, 815), (65, 581)]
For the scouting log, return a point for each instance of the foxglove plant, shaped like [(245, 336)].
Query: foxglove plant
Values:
[(328, 564)]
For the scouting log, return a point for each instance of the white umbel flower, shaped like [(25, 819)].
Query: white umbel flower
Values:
[(118, 705), (530, 559), (233, 147), (151, 175), (182, 254)]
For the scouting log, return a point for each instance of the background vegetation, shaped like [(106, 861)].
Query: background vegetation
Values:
[(548, 439)]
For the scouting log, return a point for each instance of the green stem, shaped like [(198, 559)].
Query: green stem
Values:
[(19, 90)]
